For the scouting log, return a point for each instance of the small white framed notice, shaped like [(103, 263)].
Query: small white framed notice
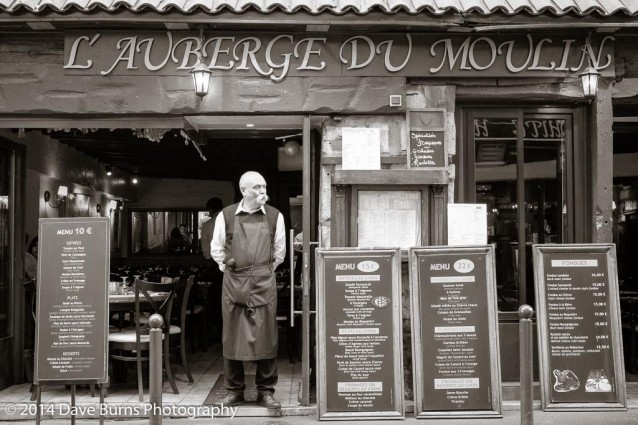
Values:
[(467, 224), (361, 148)]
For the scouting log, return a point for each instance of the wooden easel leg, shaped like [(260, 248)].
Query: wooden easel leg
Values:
[(38, 397), (72, 404), (101, 403)]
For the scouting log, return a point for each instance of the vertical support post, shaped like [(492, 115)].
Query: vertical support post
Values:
[(438, 215), (305, 318), (291, 256), (525, 313), (155, 369), (521, 208), (602, 158)]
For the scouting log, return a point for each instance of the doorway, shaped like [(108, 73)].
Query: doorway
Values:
[(14, 313), (172, 166), (521, 164)]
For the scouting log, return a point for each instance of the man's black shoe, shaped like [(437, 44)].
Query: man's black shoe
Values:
[(268, 401), (231, 400)]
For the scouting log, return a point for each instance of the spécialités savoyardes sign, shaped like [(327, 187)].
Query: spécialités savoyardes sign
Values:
[(278, 56)]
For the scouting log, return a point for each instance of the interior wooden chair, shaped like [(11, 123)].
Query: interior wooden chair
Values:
[(199, 328), (132, 344), (181, 311)]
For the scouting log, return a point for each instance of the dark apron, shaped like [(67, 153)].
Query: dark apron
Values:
[(249, 300)]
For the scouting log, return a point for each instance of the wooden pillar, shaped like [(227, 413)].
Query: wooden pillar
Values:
[(602, 155), (438, 229), (339, 221)]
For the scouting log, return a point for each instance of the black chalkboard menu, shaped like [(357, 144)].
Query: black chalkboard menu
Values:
[(426, 138), (360, 339), (455, 352), (427, 149), (579, 329), (72, 306)]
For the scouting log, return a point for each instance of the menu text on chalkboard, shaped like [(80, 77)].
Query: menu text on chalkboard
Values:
[(72, 307), (454, 332), (579, 327), (427, 149), (426, 138), (360, 348)]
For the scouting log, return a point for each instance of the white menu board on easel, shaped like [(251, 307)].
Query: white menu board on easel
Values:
[(361, 148), (467, 224)]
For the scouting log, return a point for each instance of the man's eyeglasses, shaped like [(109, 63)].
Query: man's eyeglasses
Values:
[(259, 187)]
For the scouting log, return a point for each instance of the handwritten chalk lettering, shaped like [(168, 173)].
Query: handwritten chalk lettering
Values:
[(426, 149)]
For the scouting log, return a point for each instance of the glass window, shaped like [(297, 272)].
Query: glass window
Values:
[(525, 196), (164, 231), (389, 218)]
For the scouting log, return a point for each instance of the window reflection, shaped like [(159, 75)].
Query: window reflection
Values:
[(165, 232), (496, 178)]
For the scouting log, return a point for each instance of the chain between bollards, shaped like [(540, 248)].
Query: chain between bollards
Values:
[(525, 314), (155, 369)]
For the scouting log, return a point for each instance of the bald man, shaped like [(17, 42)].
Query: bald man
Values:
[(249, 242)]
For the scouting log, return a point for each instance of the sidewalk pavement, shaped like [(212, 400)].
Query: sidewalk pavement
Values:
[(510, 417)]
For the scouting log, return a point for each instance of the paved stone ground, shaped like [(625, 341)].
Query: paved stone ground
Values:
[(629, 417)]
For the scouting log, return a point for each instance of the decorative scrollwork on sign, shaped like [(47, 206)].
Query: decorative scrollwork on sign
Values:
[(152, 134), (438, 189)]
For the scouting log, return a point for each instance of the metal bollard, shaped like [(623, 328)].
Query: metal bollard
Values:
[(525, 314), (155, 369)]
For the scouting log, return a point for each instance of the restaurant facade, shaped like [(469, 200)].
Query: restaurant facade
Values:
[(396, 110)]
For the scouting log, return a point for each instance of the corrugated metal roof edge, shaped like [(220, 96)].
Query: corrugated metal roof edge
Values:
[(16, 6)]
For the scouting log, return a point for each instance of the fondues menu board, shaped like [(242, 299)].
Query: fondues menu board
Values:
[(454, 332), (72, 308), (360, 338), (579, 327)]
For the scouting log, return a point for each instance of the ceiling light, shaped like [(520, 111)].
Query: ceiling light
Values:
[(291, 148), (134, 180), (109, 170), (250, 125)]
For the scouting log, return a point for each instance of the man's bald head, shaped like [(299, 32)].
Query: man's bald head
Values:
[(253, 188), (249, 178)]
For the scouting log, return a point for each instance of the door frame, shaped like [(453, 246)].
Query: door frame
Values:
[(12, 347), (310, 189), (574, 170)]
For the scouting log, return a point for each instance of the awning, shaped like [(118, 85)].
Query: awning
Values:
[(433, 7)]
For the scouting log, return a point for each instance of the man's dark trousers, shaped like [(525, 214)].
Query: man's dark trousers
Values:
[(265, 378)]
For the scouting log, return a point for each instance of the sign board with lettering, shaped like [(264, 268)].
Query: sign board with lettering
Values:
[(579, 330), (302, 54), (466, 224), (360, 334), (455, 350), (389, 218), (426, 138), (72, 307)]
